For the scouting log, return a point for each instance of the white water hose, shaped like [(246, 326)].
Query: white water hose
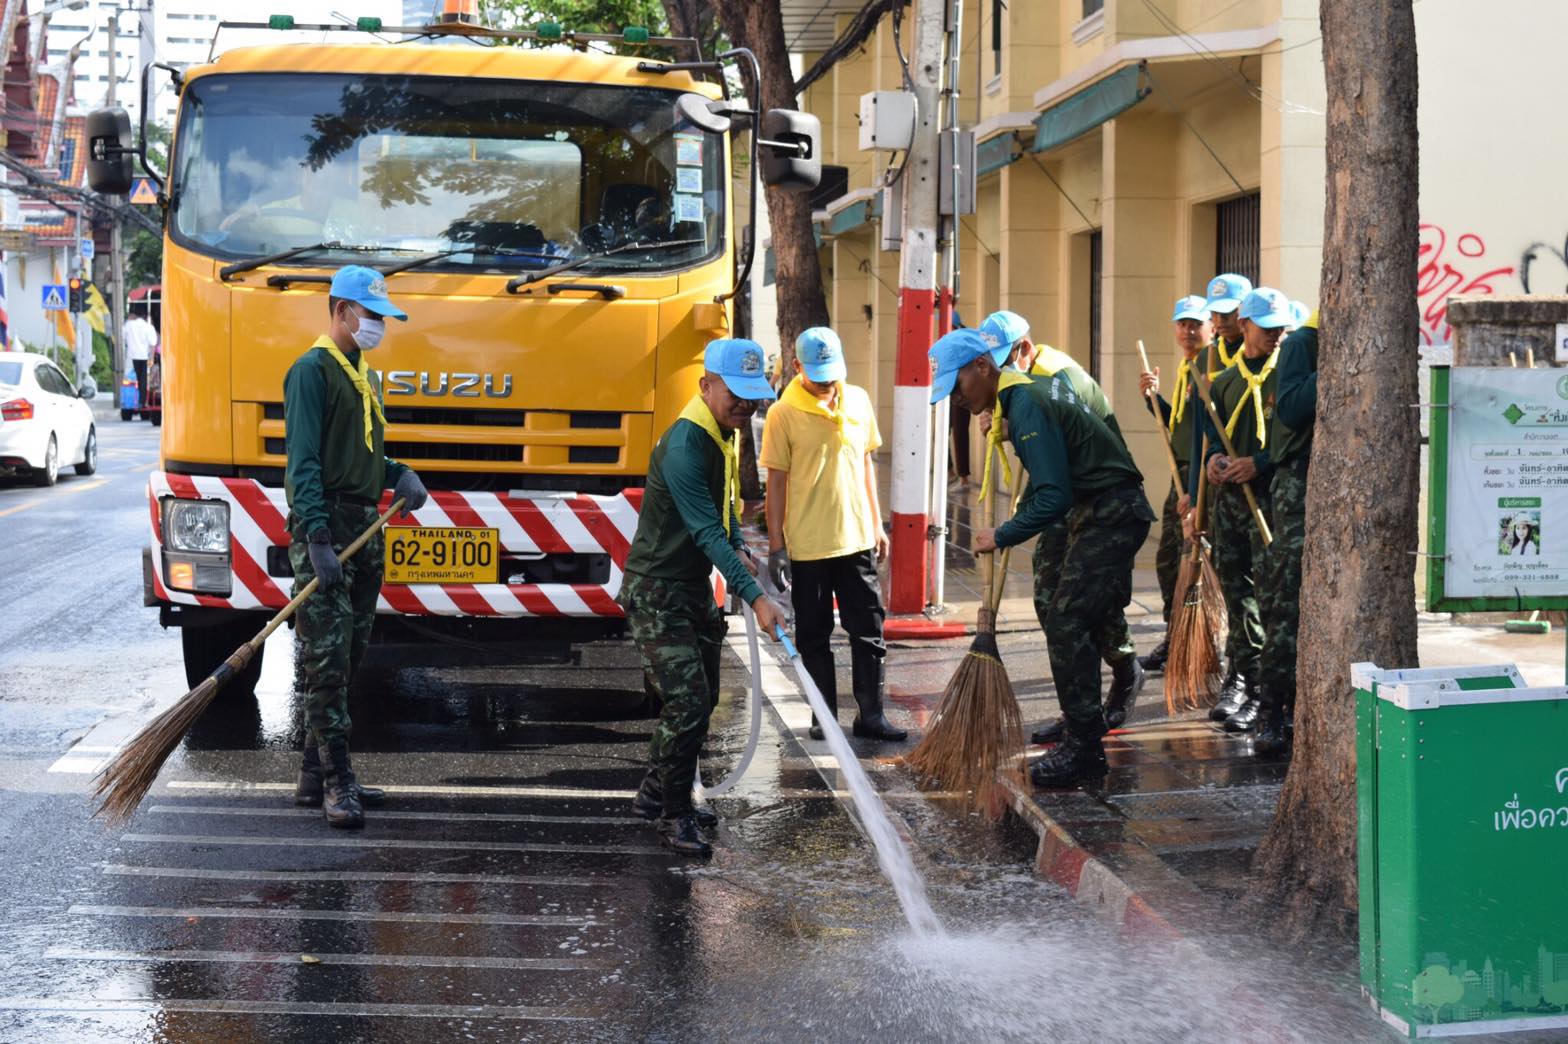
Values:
[(724, 786)]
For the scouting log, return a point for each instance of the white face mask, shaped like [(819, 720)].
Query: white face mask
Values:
[(369, 333)]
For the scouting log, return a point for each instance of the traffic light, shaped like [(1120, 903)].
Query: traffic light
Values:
[(78, 297)]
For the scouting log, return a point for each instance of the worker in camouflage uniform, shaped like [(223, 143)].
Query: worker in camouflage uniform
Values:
[(1226, 292), (334, 479), (1006, 334), (1244, 398), (1078, 470), (1290, 446), (689, 524), (1177, 416)]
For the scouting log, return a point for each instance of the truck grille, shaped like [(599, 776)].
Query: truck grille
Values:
[(460, 417)]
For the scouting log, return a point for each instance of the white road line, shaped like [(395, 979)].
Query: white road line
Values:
[(274, 913), (65, 953), (353, 876), (436, 791), (377, 842), (382, 814), (158, 1005)]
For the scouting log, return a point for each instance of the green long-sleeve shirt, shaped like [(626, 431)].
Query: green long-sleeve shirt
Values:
[(1247, 438), (680, 531), (324, 438), (1050, 362), (1296, 397), (1070, 454)]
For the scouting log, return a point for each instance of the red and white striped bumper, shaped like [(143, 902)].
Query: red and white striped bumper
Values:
[(528, 526)]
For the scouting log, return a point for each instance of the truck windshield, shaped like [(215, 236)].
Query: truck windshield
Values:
[(524, 171)]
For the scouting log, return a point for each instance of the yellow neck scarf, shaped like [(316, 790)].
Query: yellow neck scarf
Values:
[(698, 413), (361, 380), (1179, 393), (993, 450), (1254, 393), (797, 397), (1225, 360)]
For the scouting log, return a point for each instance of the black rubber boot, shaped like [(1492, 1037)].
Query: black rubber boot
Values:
[(307, 792), (681, 834), (1076, 760), (649, 802), (1127, 680), (1268, 737), (340, 795), (1155, 662), (1244, 718), (1232, 695), (816, 727), (872, 721), (1050, 733)]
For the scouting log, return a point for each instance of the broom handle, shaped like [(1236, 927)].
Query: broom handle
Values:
[(1201, 383), (1154, 404), (994, 596), (309, 589)]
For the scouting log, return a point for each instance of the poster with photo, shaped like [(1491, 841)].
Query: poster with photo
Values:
[(1507, 489)]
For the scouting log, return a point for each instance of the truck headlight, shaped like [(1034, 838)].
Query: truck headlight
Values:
[(196, 525)]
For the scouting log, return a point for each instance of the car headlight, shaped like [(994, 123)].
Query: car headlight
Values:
[(196, 525)]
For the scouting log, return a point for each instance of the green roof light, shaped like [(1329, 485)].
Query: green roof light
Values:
[(548, 30), (280, 22), (368, 25), (635, 34)]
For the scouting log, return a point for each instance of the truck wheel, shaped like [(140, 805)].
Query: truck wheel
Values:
[(126, 415), (156, 416), (206, 647)]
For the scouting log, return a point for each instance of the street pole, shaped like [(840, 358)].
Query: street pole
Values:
[(116, 238), (916, 301)]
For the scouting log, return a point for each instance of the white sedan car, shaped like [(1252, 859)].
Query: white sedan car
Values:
[(44, 423)]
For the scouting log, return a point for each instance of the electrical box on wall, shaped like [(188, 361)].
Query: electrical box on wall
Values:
[(887, 120), (966, 174)]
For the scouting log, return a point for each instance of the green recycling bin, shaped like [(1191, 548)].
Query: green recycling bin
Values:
[(1462, 797)]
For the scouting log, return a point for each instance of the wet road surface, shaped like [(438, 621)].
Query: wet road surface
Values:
[(506, 892)]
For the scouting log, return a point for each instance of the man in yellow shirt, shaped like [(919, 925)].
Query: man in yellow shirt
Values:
[(825, 533)]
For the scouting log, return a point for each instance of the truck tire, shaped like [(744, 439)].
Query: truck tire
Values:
[(126, 415), (206, 647)]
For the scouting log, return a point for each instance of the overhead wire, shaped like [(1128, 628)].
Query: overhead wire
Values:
[(1252, 88), (1182, 115)]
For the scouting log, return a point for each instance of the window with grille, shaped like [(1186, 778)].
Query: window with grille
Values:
[(1236, 236), (998, 8), (1096, 264)]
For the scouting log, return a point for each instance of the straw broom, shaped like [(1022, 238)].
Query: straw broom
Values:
[(1194, 671), (123, 783), (978, 729)]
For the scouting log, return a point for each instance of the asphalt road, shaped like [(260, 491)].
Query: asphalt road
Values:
[(506, 892)]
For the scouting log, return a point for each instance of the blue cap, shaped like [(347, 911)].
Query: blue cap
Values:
[(951, 353), (1000, 331), (1299, 313), (739, 362), (1266, 307), (1191, 307), (367, 287), (1226, 291), (821, 355)]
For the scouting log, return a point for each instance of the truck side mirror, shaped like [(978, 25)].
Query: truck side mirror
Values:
[(111, 153), (791, 150)]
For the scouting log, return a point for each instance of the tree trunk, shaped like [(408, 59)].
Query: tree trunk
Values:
[(798, 272), (1358, 587)]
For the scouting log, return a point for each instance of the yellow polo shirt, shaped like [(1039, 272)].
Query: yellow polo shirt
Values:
[(826, 512)]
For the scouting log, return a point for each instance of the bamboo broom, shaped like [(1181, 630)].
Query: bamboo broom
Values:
[(977, 730), (122, 784), (1197, 631)]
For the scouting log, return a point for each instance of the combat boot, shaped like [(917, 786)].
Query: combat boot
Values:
[(872, 722), (649, 802), (340, 794), (1155, 662), (1269, 738), (1232, 695), (307, 792), (681, 834), (1127, 680), (1246, 715), (1051, 732), (1075, 760)]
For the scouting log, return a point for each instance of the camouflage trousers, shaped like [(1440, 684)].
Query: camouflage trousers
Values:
[(1239, 559), (1093, 588), (1167, 560), (678, 629), (1278, 667), (332, 626), (1112, 637)]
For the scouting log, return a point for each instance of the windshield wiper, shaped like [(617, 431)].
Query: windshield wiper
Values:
[(514, 285), (228, 271), (283, 281)]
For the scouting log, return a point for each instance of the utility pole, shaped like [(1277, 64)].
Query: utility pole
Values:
[(116, 238), (912, 440)]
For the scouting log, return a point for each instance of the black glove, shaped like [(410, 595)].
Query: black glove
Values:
[(778, 569), (323, 559), (410, 489)]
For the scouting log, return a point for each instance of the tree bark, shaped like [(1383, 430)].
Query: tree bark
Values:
[(802, 302), (1358, 587)]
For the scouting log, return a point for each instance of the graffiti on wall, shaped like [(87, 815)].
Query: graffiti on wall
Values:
[(1543, 269), (1458, 266)]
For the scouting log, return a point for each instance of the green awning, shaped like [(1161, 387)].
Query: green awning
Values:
[(1082, 112), (995, 153)]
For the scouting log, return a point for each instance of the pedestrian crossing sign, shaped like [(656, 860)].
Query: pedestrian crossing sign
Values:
[(54, 297), (142, 193)]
